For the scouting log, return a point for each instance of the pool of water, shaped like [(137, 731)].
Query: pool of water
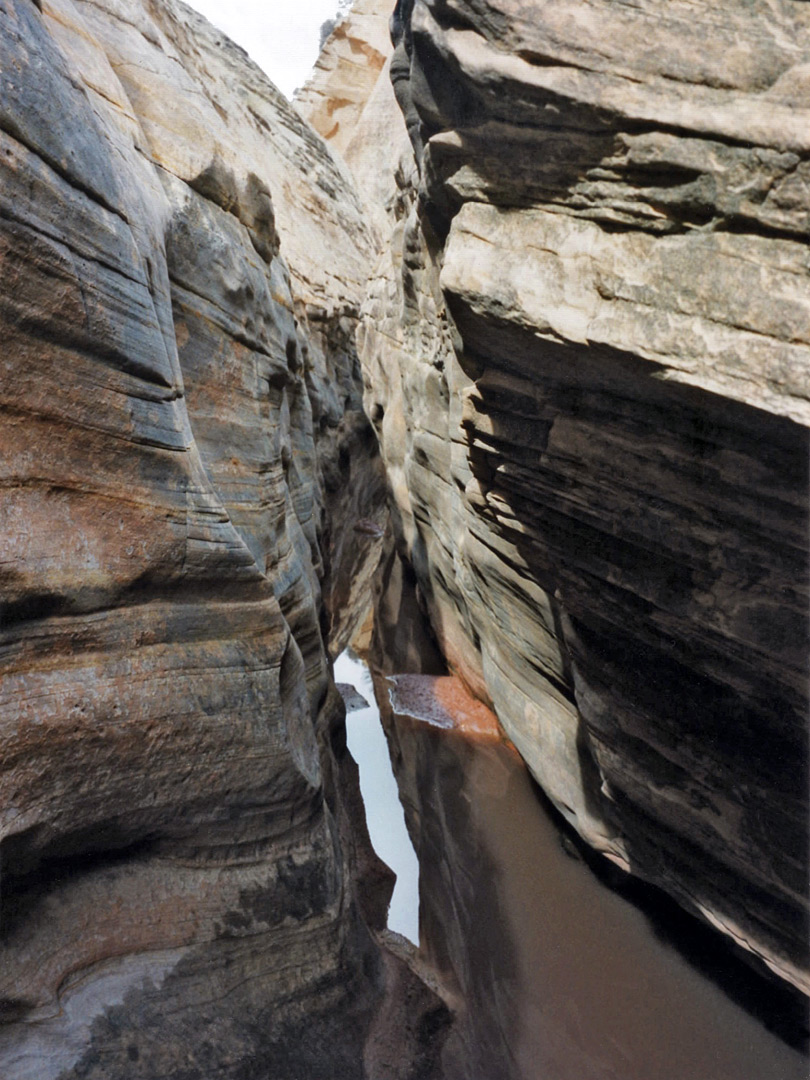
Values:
[(553, 974), (378, 786)]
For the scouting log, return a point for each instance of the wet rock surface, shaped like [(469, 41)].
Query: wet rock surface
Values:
[(586, 360)]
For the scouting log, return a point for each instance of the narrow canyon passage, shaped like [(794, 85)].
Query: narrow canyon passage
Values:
[(551, 972), (512, 303), (378, 786)]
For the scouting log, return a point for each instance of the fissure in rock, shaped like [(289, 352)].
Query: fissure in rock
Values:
[(523, 355)]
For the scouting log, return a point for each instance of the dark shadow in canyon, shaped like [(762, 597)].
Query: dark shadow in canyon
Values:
[(550, 969), (782, 1009), (624, 546), (524, 937), (403, 638)]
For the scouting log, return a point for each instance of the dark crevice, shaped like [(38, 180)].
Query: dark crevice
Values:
[(544, 60), (744, 226)]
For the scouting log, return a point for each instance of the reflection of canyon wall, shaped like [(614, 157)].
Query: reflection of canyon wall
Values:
[(550, 974), (587, 359), (182, 266)]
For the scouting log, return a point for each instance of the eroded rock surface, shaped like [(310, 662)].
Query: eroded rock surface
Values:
[(182, 267), (349, 100), (587, 362), (345, 76)]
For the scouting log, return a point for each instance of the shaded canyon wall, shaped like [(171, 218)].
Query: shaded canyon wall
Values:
[(586, 358), (585, 351)]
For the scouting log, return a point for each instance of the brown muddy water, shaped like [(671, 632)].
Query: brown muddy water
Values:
[(552, 972)]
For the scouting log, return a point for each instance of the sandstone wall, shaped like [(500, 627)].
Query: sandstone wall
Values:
[(349, 100), (587, 361), (182, 267), (346, 73)]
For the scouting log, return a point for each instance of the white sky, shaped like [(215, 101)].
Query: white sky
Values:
[(280, 35), (384, 815)]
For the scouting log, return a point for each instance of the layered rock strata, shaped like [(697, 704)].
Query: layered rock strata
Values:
[(182, 266), (587, 363)]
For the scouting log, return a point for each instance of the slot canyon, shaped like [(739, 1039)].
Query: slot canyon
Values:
[(479, 371)]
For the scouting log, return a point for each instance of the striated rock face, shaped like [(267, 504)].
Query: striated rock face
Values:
[(587, 363), (585, 350), (182, 265), (569, 980)]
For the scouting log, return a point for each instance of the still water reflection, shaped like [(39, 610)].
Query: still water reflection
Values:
[(554, 975), (386, 821)]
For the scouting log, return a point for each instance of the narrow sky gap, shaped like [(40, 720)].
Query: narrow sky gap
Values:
[(282, 37)]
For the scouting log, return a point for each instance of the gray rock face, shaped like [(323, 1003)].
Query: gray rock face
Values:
[(587, 364), (182, 266)]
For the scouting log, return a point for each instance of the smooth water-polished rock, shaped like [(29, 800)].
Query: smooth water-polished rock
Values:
[(586, 360), (182, 265)]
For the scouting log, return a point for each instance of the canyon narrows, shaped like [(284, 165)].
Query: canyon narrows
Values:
[(588, 363), (533, 337)]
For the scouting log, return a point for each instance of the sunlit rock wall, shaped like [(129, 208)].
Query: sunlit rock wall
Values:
[(349, 100), (346, 73), (587, 362), (181, 440)]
